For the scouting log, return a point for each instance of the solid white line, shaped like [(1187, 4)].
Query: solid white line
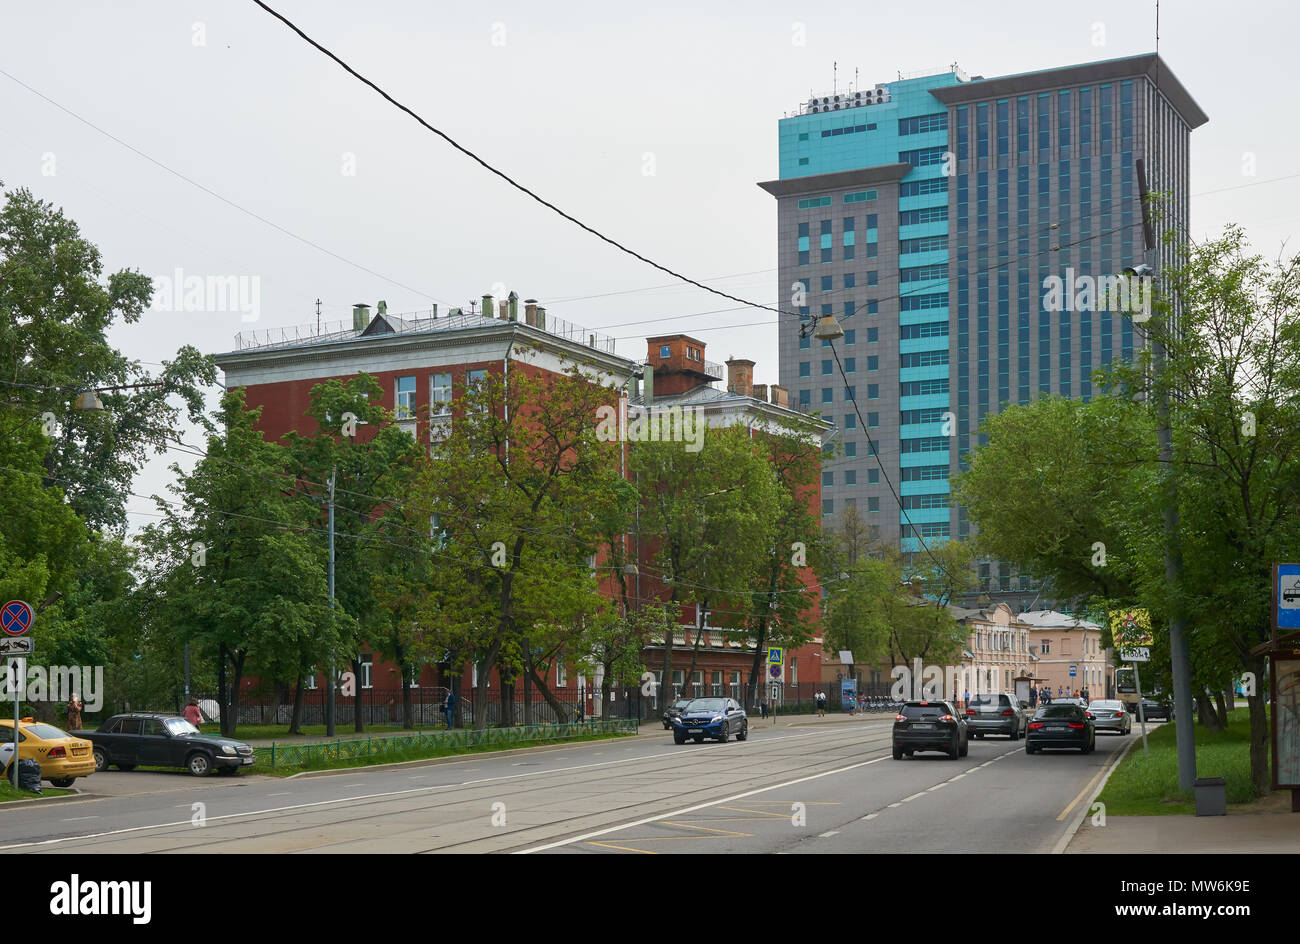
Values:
[(698, 806), (892, 805), (1083, 811), (73, 819), (367, 796), (829, 833)]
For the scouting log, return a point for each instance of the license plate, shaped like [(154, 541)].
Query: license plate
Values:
[(247, 760), (1056, 727), (922, 727)]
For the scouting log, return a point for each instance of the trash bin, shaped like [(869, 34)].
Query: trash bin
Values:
[(1211, 796), (29, 775)]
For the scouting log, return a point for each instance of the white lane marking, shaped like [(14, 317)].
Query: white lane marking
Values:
[(700, 806), (913, 797), (958, 777), (366, 796), (829, 833), (937, 786), (284, 794), (73, 819), (892, 805), (871, 816)]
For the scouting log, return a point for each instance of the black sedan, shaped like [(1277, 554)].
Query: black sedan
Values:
[(930, 726), (1058, 725), (128, 741)]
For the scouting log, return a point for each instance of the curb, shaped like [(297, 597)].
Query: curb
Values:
[(1064, 841), (452, 759), (74, 795)]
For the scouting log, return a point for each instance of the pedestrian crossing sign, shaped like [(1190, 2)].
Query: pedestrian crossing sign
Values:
[(775, 655)]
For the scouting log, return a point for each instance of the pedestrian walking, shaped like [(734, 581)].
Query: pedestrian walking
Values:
[(1033, 698), (194, 714), (762, 708), (821, 704), (449, 707), (966, 700)]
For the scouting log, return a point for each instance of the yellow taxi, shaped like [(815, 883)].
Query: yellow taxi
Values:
[(63, 758)]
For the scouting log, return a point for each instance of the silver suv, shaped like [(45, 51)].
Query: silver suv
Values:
[(999, 713)]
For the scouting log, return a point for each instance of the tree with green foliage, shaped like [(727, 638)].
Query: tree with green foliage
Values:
[(235, 567), (712, 513), (371, 459), (514, 488)]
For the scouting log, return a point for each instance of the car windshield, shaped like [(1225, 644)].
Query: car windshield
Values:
[(179, 727), (681, 703), (706, 704)]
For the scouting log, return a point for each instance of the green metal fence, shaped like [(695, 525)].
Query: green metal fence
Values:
[(299, 755)]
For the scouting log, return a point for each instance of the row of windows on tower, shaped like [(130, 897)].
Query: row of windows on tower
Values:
[(1078, 113)]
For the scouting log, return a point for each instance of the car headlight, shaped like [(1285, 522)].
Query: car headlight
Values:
[(227, 749), (715, 719)]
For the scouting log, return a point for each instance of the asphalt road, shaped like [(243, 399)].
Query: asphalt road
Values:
[(813, 787)]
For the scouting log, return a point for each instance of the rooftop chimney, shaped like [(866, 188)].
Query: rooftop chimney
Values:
[(740, 376), (503, 311), (649, 397), (360, 316), (780, 395), (541, 317), (435, 311), (513, 301), (759, 392), (487, 307), (530, 310)]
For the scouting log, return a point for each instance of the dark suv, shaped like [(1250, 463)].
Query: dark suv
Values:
[(710, 717), (995, 714), (128, 741), (673, 710), (930, 726)]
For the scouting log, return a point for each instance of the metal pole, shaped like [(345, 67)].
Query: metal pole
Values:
[(14, 760), (1179, 654), (1142, 715), (187, 674), (329, 678)]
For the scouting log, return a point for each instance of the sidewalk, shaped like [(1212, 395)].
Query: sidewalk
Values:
[(1267, 825)]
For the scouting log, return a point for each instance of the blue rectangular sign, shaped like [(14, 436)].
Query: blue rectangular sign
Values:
[(1287, 594)]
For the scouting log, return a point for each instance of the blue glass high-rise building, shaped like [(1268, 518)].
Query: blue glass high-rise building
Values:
[(928, 214)]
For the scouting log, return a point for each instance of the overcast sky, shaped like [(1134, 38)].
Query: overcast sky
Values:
[(650, 122)]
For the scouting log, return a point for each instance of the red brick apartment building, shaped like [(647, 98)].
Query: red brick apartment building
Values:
[(418, 359)]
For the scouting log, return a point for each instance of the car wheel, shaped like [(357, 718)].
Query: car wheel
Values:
[(101, 760), (667, 727), (679, 738), (909, 753), (744, 731), (126, 766), (955, 751), (199, 764), (1088, 747), (1015, 733), (965, 748), (898, 753), (62, 781), (725, 736)]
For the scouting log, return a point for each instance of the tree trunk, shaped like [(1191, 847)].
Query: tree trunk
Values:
[(1259, 734), (507, 701), (528, 684), (606, 684), (240, 656), (1222, 709), (223, 693), (561, 711), (1205, 711), (295, 716), (756, 670)]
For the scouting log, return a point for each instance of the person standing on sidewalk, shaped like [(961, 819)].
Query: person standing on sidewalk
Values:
[(449, 707)]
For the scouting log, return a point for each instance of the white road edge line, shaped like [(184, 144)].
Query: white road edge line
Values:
[(351, 799), (698, 806), (1064, 841)]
